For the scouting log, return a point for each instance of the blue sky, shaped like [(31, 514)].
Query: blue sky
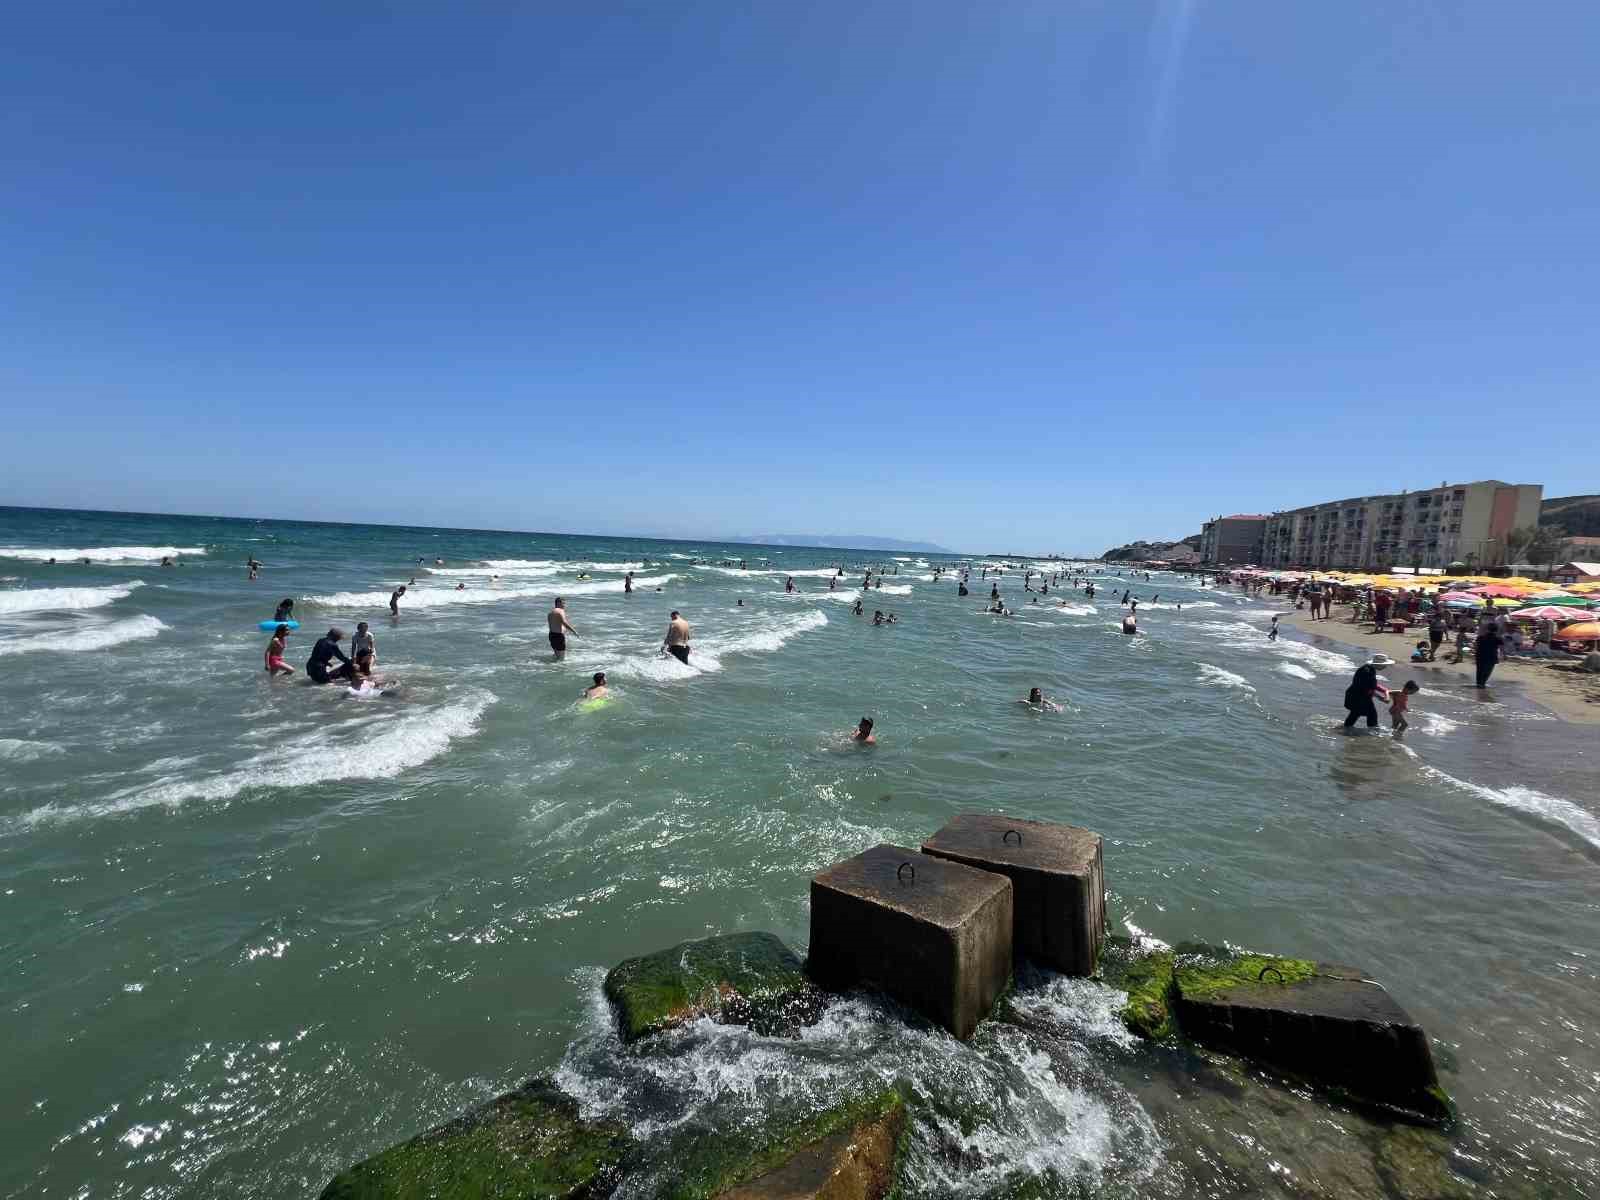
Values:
[(1043, 276)]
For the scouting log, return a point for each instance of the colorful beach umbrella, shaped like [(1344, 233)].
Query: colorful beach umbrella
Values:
[(1582, 631), (1499, 589), (1547, 612)]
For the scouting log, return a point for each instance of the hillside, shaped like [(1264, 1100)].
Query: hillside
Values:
[(1186, 550), (1578, 515)]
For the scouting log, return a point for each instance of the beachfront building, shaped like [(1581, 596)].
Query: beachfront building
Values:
[(1232, 540), (1576, 572), (1454, 522)]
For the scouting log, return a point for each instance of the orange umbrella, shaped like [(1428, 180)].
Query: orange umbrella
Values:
[(1583, 631)]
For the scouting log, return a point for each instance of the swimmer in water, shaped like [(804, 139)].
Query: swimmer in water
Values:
[(856, 610), (863, 733), (461, 587), (598, 690), (1129, 624), (556, 618), (276, 649), (788, 584), (741, 603), (877, 616), (284, 611), (627, 583), (1036, 699), (394, 600)]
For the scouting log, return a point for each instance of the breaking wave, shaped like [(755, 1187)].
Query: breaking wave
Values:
[(354, 750), (86, 637), (102, 554), (1551, 809), (63, 599)]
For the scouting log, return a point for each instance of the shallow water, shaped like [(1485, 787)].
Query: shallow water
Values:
[(255, 930)]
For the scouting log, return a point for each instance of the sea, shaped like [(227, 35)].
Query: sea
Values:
[(253, 930)]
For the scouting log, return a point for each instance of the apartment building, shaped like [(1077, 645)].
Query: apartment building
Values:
[(1465, 522), (1232, 540)]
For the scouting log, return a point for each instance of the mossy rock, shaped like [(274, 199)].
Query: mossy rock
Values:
[(738, 979), (529, 1144), (1415, 1165), (1202, 976), (1147, 978), (852, 1151)]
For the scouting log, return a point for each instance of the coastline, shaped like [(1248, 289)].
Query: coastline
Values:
[(1559, 689)]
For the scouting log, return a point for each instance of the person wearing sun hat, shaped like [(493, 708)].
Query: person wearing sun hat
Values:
[(1360, 698)]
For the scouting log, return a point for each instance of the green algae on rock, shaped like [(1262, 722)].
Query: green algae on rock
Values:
[(851, 1151), (1197, 979), (529, 1144), (1147, 978), (738, 978)]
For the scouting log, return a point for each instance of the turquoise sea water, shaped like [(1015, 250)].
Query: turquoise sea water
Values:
[(254, 930)]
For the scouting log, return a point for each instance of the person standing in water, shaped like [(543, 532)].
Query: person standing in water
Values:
[(627, 583), (284, 611), (1486, 652), (1272, 634), (394, 600), (276, 649), (363, 649), (559, 628), (788, 584), (676, 643)]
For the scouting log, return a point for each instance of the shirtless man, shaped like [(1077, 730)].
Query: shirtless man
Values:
[(559, 628), (676, 643), (394, 600)]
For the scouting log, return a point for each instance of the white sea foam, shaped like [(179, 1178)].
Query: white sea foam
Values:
[(63, 599), (422, 597), (356, 749), (84, 637), (101, 554), (1295, 671), (22, 750), (1220, 678), (707, 653), (504, 572), (505, 563), (1554, 809), (891, 589)]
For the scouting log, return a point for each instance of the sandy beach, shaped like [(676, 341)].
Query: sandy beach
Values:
[(1561, 687)]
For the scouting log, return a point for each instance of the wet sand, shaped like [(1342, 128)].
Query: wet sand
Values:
[(1558, 686)]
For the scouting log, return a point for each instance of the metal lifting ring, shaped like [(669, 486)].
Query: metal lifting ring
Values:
[(1007, 834), (1262, 974), (906, 866)]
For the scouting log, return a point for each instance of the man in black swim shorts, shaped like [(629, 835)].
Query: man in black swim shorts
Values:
[(557, 617), (676, 643)]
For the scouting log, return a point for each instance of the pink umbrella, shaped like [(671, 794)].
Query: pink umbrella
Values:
[(1548, 612)]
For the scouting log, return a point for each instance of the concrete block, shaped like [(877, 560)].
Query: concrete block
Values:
[(1327, 1024), (1059, 877), (933, 934)]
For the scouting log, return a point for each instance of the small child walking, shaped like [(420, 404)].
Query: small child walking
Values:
[(1272, 634), (1399, 702)]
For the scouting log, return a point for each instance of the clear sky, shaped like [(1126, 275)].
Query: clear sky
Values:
[(1033, 275)]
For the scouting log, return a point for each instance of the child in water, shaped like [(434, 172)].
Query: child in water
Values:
[(276, 649), (363, 649), (1399, 702), (863, 733)]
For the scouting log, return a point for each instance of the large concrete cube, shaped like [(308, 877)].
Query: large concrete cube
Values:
[(1059, 879), (934, 934)]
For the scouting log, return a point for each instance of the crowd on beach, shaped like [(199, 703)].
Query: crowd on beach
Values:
[(1485, 619)]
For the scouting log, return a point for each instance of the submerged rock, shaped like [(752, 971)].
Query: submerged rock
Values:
[(848, 1152), (1327, 1024), (738, 979), (529, 1144)]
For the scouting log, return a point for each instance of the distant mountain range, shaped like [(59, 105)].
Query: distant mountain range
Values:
[(840, 541)]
